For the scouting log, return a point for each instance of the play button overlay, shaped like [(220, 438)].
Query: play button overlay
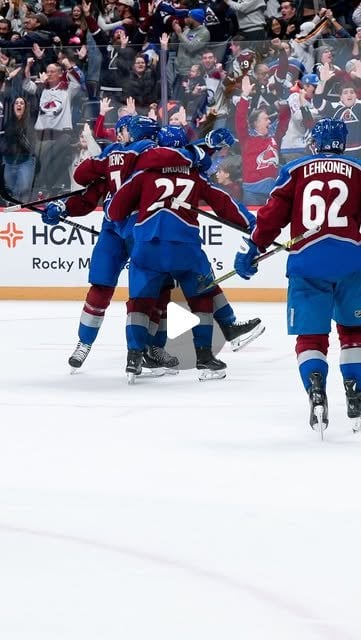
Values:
[(180, 320)]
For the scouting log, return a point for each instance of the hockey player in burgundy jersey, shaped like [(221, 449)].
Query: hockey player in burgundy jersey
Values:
[(324, 271), (111, 251), (167, 241)]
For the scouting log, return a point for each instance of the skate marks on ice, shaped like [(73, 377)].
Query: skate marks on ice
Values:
[(305, 618)]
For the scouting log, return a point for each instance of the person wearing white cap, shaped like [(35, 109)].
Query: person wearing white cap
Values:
[(303, 44)]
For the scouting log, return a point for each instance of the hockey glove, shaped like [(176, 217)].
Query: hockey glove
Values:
[(201, 160), (53, 212), (244, 260), (221, 137)]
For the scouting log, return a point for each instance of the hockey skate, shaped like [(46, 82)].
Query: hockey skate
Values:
[(353, 403), (78, 357), (239, 334), (318, 404), (209, 367), (159, 357), (150, 367), (134, 364)]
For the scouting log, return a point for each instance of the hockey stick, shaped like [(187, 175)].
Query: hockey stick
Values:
[(7, 196), (281, 247), (35, 203), (216, 218)]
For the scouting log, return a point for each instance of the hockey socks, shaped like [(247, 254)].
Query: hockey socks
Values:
[(92, 316)]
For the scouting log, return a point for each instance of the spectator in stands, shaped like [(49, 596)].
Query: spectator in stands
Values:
[(260, 142), (59, 22), (125, 10), (324, 56), (16, 14), (19, 150), (251, 19), (227, 176), (303, 115), (214, 75), (80, 27), (275, 28), (5, 29), (57, 88), (118, 59), (142, 85), (109, 18), (303, 43), (195, 92), (346, 108), (35, 28), (233, 63), (85, 148), (289, 15), (100, 131), (285, 68), (56, 92), (192, 40), (331, 75), (264, 95)]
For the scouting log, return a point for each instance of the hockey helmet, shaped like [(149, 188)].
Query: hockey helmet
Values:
[(142, 127), (172, 136), (329, 135), (122, 122)]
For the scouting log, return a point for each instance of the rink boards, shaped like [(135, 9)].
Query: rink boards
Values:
[(40, 262)]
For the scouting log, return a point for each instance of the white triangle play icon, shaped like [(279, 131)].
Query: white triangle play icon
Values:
[(179, 320)]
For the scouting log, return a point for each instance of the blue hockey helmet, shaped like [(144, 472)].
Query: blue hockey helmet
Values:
[(142, 127), (329, 135), (122, 122), (172, 136)]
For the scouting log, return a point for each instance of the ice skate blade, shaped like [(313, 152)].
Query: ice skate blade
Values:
[(209, 374), (356, 425), (320, 425), (171, 371), (74, 370), (152, 373), (239, 343), (131, 377)]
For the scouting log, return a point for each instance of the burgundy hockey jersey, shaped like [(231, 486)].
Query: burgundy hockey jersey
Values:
[(163, 199), (322, 190)]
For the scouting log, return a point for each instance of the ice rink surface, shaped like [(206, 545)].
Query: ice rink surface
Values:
[(171, 509)]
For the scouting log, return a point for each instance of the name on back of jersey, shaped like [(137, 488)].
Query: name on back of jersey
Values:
[(327, 166), (116, 159)]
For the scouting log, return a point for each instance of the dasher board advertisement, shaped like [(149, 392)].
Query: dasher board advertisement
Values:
[(34, 254)]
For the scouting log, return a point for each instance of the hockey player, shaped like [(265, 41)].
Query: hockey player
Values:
[(324, 272), (111, 251), (238, 333), (167, 241), (105, 173)]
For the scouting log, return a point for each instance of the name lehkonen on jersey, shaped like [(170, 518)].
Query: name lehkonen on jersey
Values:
[(327, 166)]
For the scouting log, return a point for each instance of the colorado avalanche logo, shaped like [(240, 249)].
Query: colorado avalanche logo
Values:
[(267, 158), (348, 116), (51, 107)]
